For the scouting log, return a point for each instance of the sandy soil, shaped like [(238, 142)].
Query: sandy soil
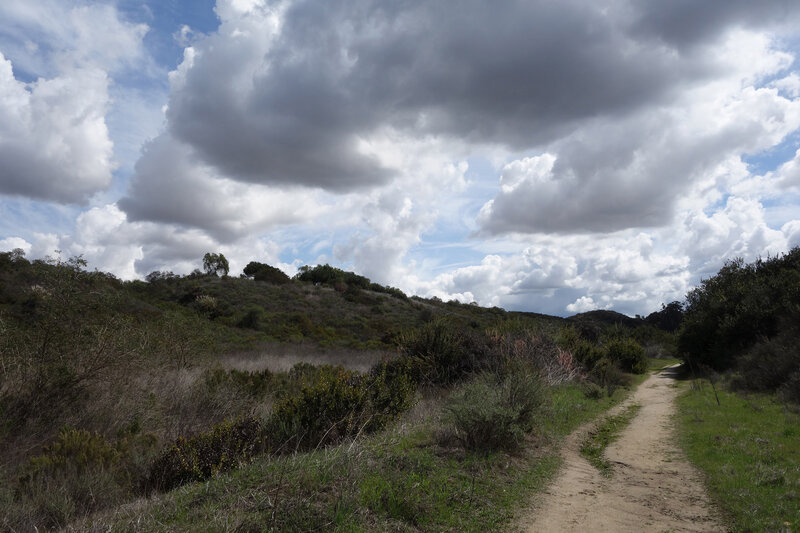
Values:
[(653, 487)]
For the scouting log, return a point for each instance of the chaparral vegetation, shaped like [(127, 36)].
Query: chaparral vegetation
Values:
[(327, 401)]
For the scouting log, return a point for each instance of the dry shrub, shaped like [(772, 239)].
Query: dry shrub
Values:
[(555, 365)]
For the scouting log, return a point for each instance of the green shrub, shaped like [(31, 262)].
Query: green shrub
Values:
[(390, 394), (266, 273), (443, 353), (738, 307), (73, 447), (607, 373), (202, 456), (256, 384), (492, 413), (790, 390), (628, 353), (587, 353), (767, 365), (78, 473), (337, 404), (593, 391)]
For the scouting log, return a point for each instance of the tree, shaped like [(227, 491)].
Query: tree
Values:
[(264, 272), (214, 263), (740, 306)]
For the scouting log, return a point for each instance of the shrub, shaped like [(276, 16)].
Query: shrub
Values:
[(325, 411), (738, 307), (443, 353), (587, 353), (767, 365), (790, 390), (593, 391), (338, 404), (390, 394), (78, 473), (202, 456), (251, 319), (607, 373), (255, 384), (628, 353), (492, 413)]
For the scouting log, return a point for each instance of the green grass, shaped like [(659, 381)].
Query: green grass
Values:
[(749, 450), (598, 440), (404, 479)]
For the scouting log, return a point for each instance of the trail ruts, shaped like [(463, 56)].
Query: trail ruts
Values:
[(653, 487)]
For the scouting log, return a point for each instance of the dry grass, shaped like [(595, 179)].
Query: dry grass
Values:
[(281, 357)]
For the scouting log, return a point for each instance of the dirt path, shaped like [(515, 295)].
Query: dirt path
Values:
[(653, 487)]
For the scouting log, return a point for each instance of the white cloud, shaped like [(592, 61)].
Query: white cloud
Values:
[(626, 172), (54, 141), (583, 304)]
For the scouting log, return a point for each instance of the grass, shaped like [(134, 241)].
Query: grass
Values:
[(404, 479), (598, 440), (748, 447)]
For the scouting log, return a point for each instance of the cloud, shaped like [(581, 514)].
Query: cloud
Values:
[(292, 94), (630, 171), (583, 304), (49, 37), (170, 186), (54, 141)]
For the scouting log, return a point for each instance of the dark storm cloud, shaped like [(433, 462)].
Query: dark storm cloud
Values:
[(684, 23), (516, 74)]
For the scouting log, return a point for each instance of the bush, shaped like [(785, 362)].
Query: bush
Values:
[(593, 391), (588, 354), (338, 404), (628, 353), (607, 373), (790, 390), (492, 413), (738, 307), (768, 365), (78, 473), (202, 456), (442, 353)]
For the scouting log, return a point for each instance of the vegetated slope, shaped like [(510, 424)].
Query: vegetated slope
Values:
[(746, 319), (104, 384), (741, 331)]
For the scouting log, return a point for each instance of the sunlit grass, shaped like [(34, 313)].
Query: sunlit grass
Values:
[(749, 450)]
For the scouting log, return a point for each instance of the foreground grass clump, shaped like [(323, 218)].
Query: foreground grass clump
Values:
[(598, 440), (749, 450), (405, 478), (496, 413)]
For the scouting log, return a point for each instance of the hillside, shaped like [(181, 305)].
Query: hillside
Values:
[(134, 382)]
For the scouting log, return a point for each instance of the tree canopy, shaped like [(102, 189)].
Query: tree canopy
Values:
[(215, 263)]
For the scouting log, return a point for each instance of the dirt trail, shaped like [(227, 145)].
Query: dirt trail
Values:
[(653, 487)]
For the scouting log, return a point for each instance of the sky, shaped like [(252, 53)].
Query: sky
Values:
[(555, 157)]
